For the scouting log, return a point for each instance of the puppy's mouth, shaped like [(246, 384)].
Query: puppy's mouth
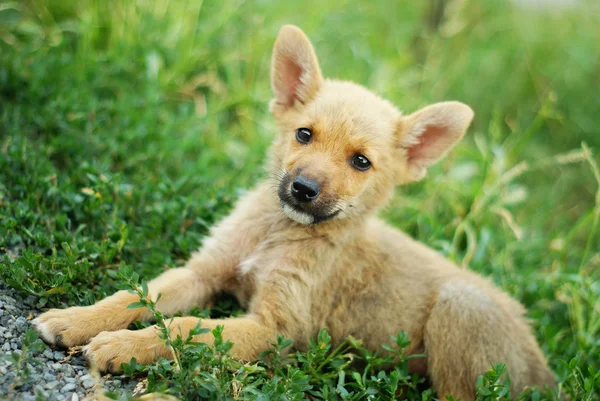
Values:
[(303, 217), (316, 211)]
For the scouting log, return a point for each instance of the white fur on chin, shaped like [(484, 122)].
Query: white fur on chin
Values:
[(297, 216)]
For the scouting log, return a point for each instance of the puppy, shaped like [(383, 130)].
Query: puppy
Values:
[(307, 251)]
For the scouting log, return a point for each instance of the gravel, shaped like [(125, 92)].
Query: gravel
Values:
[(54, 374)]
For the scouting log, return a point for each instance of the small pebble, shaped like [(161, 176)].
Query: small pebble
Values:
[(21, 323), (51, 385), (68, 387), (30, 301), (40, 391), (67, 370)]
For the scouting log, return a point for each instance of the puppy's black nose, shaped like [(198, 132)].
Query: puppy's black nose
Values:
[(304, 189)]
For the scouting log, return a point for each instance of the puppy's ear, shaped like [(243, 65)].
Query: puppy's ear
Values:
[(295, 72), (428, 134)]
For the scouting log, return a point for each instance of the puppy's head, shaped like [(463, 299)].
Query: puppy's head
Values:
[(340, 148)]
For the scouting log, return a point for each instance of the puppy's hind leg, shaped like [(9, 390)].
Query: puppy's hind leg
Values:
[(468, 331)]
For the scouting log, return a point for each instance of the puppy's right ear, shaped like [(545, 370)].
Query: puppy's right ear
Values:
[(295, 72), (430, 133)]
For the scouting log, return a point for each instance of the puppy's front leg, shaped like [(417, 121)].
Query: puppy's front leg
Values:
[(278, 307), (108, 350), (180, 289)]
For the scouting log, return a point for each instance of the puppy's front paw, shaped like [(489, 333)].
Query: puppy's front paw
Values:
[(65, 327), (109, 349)]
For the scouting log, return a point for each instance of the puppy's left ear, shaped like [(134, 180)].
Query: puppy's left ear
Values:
[(295, 72), (430, 133)]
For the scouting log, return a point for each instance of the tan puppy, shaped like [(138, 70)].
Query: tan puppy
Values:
[(304, 250)]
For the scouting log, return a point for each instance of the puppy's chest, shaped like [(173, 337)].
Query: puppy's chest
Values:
[(261, 262), (329, 275), (279, 258), (285, 250)]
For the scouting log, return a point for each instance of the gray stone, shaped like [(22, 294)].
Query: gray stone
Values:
[(30, 301), (67, 370), (49, 377), (21, 323), (68, 387), (39, 390), (52, 385)]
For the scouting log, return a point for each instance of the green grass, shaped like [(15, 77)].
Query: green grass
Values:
[(128, 128)]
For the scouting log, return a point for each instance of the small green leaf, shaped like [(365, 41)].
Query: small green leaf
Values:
[(144, 288), (136, 305)]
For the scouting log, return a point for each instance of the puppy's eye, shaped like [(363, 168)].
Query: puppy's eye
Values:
[(303, 135), (360, 162)]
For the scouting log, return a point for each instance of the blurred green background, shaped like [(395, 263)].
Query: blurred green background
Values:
[(128, 127)]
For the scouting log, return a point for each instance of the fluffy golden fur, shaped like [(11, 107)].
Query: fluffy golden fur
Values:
[(297, 267)]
